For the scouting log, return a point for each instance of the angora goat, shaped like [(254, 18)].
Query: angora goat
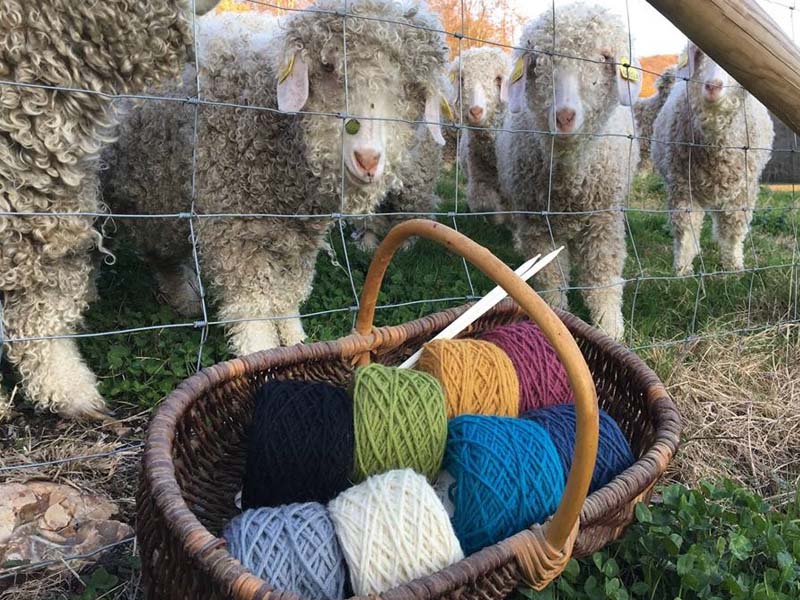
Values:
[(50, 142), (264, 163), (579, 111), (482, 73), (699, 141)]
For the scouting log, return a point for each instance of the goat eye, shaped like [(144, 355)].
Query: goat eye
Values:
[(351, 126), (605, 56), (327, 67), (498, 81)]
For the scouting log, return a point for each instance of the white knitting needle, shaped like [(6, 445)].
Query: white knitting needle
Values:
[(525, 271)]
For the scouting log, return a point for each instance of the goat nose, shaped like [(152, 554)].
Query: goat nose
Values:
[(565, 118), (476, 112), (367, 159), (713, 89)]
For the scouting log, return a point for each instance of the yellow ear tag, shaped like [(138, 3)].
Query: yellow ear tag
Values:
[(446, 110), (519, 69), (683, 60), (287, 69), (453, 76), (626, 71)]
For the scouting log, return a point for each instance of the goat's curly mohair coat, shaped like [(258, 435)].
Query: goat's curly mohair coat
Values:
[(262, 162), (485, 67), (591, 170), (646, 110), (50, 142), (698, 148)]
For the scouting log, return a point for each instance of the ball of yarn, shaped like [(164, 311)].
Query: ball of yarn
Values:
[(614, 454), (477, 377), (400, 421), (507, 477), (542, 378), (393, 529), (294, 548), (301, 443)]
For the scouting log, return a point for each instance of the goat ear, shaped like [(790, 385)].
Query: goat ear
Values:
[(512, 90), (293, 84), (629, 81), (433, 117), (686, 62)]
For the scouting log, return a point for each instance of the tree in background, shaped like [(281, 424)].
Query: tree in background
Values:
[(653, 66), (479, 21)]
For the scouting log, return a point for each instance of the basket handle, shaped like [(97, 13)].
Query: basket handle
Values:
[(560, 531)]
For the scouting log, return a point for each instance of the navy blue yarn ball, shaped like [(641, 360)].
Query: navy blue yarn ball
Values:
[(614, 454), (507, 475)]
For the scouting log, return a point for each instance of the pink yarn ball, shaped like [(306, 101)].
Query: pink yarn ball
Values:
[(542, 378)]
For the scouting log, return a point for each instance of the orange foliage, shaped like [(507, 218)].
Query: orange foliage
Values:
[(271, 6), (490, 20), (653, 66)]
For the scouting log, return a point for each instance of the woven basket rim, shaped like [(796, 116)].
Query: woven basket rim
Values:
[(210, 551)]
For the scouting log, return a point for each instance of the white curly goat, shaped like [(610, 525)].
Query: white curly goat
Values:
[(50, 143), (264, 163), (567, 152), (711, 142), (482, 73)]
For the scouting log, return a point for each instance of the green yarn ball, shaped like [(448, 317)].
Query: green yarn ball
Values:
[(400, 421)]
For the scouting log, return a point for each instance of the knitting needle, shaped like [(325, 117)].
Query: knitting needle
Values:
[(525, 271), (474, 312)]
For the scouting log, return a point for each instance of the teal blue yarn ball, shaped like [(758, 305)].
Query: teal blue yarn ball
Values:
[(507, 474)]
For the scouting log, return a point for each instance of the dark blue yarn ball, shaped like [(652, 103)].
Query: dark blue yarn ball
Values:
[(614, 454), (507, 474)]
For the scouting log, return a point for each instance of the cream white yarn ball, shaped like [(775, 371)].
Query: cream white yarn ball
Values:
[(392, 529)]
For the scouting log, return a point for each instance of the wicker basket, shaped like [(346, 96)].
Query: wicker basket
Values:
[(194, 457)]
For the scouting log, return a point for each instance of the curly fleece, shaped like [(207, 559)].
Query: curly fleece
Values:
[(646, 110), (698, 150), (263, 162), (50, 142), (486, 67), (590, 171)]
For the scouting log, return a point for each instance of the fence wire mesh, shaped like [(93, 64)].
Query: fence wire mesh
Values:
[(710, 295)]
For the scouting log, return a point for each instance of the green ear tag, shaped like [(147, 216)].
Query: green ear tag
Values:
[(352, 126), (519, 69), (287, 69), (446, 109)]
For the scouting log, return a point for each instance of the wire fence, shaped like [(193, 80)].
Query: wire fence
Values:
[(640, 270)]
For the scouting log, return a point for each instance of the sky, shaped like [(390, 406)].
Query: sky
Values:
[(652, 33)]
